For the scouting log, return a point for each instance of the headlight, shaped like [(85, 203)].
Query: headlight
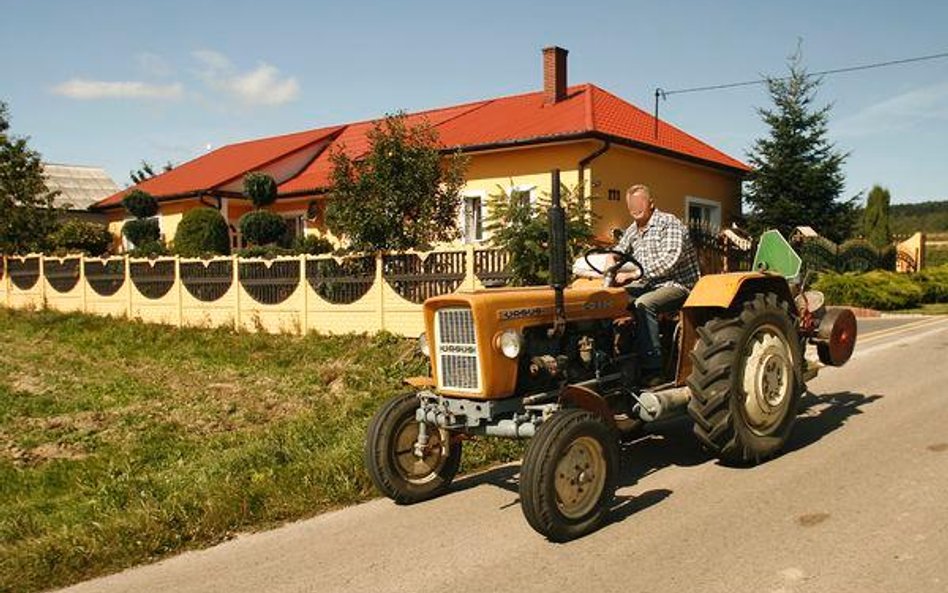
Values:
[(511, 343), (423, 344)]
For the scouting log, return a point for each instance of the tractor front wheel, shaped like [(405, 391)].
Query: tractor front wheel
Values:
[(568, 475), (746, 381), (403, 468)]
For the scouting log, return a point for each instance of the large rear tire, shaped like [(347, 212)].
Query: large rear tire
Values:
[(393, 463), (568, 475), (746, 381)]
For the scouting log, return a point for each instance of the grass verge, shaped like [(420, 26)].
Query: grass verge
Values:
[(121, 442)]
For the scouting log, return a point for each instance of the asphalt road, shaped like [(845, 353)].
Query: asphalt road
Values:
[(858, 502)]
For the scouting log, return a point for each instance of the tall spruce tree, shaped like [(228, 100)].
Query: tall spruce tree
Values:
[(797, 178), (875, 219), (27, 213)]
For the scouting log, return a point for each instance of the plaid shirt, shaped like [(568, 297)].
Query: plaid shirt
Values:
[(664, 250)]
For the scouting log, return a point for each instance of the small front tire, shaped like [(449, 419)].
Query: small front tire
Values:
[(568, 475), (395, 467)]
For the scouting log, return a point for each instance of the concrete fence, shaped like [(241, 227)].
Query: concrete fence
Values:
[(294, 295)]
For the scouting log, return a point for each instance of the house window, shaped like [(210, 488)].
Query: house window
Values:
[(523, 194), (473, 222), (703, 211), (295, 225), (614, 195)]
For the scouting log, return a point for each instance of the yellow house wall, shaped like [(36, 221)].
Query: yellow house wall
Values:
[(671, 181)]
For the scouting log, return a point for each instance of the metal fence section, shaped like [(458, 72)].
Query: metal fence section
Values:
[(341, 282), (62, 274), (207, 281), (153, 279), (416, 278), (24, 272), (105, 277), (857, 255), (270, 282)]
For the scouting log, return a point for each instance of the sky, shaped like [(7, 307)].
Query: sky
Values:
[(112, 83)]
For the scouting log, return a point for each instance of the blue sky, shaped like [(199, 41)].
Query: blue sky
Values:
[(111, 83)]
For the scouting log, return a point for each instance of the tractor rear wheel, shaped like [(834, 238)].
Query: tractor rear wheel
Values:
[(402, 470), (746, 381), (568, 475)]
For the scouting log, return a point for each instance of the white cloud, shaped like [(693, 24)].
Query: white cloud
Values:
[(153, 65), (260, 86), (79, 88), (898, 113)]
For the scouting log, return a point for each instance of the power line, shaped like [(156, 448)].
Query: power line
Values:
[(663, 94)]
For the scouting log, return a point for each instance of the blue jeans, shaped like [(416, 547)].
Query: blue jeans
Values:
[(649, 302)]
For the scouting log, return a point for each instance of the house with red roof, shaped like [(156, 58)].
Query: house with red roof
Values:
[(601, 143)]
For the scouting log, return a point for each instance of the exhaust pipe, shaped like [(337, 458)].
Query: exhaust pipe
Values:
[(656, 405)]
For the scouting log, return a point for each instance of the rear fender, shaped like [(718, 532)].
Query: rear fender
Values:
[(589, 400), (712, 296)]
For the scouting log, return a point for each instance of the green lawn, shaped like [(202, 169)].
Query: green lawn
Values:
[(122, 442)]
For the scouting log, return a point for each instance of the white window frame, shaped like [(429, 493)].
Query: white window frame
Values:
[(530, 189), (298, 214), (713, 205), (482, 196)]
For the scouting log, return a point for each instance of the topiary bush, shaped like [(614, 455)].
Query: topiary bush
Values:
[(312, 245), (881, 290), (150, 249), (934, 284), (74, 236), (261, 227), (260, 188), (141, 231), (140, 204), (202, 232)]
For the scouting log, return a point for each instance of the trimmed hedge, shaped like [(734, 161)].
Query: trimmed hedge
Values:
[(885, 291), (202, 232), (141, 231), (260, 188), (140, 204), (261, 227)]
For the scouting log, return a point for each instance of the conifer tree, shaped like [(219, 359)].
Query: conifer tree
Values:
[(875, 219), (797, 178)]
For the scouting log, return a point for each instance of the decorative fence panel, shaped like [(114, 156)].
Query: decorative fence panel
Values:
[(856, 255), (282, 295)]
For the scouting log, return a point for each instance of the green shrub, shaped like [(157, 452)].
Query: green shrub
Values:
[(261, 227), (934, 284), (202, 232), (265, 251), (90, 238), (141, 231), (149, 249), (312, 245), (260, 188), (140, 204), (886, 291)]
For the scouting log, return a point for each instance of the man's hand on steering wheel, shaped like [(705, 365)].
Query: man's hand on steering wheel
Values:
[(612, 276)]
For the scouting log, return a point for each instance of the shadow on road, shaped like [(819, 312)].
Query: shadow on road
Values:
[(671, 443), (822, 414)]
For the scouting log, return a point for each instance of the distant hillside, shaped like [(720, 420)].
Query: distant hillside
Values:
[(930, 217)]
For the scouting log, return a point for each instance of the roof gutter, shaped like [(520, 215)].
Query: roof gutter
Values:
[(584, 162)]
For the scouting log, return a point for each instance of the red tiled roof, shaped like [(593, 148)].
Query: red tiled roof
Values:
[(587, 111)]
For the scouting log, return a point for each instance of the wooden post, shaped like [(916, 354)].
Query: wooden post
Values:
[(470, 278), (83, 299)]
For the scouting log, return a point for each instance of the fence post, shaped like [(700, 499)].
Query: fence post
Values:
[(179, 283), (6, 282), (42, 281), (83, 299), (470, 278), (304, 318), (128, 288), (235, 282), (380, 282)]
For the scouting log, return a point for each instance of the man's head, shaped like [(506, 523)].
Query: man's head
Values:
[(638, 199)]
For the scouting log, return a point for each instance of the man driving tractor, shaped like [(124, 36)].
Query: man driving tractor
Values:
[(659, 241)]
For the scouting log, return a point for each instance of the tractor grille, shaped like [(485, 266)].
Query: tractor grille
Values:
[(456, 348)]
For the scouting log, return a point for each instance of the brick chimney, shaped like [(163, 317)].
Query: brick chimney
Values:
[(554, 74)]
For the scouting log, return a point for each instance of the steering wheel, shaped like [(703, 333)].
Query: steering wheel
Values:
[(610, 272)]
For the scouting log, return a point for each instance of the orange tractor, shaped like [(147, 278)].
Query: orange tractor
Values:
[(557, 365)]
